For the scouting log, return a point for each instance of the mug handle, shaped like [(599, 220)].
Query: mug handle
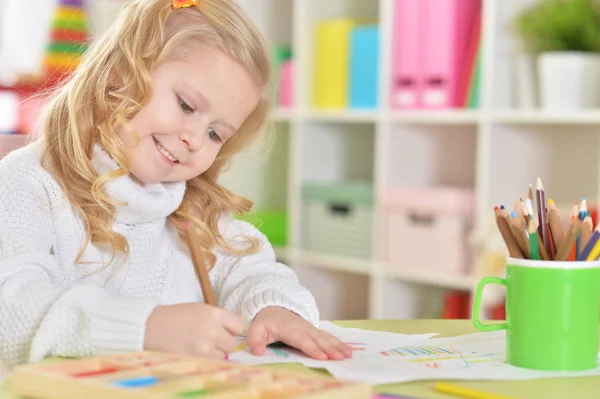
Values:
[(477, 304)]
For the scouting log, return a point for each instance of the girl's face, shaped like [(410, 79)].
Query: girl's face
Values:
[(197, 104)]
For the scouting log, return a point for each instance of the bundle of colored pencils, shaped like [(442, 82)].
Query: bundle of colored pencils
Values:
[(543, 238)]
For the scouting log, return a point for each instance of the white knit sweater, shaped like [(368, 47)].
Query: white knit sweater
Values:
[(51, 306)]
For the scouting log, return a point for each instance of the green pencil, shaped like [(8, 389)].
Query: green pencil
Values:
[(533, 240)]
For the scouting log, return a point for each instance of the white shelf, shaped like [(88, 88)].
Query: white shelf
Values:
[(437, 117), (545, 117), (342, 115), (425, 278), (374, 269), (334, 263)]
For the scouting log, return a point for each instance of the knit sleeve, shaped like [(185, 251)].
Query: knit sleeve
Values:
[(248, 284), (39, 316)]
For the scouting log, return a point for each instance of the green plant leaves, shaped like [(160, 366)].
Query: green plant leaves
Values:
[(561, 25)]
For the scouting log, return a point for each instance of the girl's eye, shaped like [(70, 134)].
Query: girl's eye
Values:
[(184, 106), (213, 135)]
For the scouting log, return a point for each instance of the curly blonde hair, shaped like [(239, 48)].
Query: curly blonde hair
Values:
[(112, 84)]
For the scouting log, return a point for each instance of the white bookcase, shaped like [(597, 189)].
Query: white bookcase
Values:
[(498, 150)]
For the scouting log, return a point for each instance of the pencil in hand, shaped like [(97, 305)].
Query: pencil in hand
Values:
[(192, 242)]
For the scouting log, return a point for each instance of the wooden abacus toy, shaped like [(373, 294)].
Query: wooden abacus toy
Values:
[(152, 375)]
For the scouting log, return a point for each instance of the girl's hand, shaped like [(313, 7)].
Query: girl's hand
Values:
[(195, 329), (275, 324)]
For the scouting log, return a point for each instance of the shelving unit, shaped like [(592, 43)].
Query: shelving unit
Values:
[(497, 150)]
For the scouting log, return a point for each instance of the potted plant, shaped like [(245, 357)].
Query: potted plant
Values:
[(564, 36)]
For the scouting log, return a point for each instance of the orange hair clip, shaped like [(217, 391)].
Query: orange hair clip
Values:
[(184, 3)]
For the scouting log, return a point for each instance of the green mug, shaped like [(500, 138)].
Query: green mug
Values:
[(552, 314)]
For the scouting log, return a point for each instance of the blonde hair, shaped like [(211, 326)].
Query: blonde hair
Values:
[(112, 84)]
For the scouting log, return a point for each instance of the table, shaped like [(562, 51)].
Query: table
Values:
[(560, 388)]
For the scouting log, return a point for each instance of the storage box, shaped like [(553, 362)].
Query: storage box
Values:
[(337, 219), (427, 229)]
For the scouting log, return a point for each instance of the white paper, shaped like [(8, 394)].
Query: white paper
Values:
[(365, 343), (467, 357)]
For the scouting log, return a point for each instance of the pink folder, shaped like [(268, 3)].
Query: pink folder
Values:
[(447, 24), (286, 88), (407, 54)]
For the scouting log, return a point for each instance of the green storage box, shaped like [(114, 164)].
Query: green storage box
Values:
[(273, 224), (337, 218)]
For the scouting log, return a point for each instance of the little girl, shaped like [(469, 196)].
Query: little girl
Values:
[(91, 215)]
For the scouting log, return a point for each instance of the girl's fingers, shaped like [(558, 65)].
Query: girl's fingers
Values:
[(301, 340), (336, 348)]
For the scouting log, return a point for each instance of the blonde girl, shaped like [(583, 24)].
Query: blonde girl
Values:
[(91, 255)]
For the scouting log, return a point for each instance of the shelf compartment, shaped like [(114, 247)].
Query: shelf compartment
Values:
[(430, 156), (337, 152), (339, 295), (565, 159)]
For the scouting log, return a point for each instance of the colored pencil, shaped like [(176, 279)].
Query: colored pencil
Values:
[(518, 228), (533, 240), (201, 272), (591, 251), (555, 223), (530, 193), (541, 207), (568, 244), (509, 239), (586, 232), (551, 246), (523, 211), (467, 393)]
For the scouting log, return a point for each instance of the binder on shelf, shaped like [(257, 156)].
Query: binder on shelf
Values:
[(286, 84), (468, 72), (474, 87), (364, 67), (331, 68), (448, 24), (407, 54), (280, 54)]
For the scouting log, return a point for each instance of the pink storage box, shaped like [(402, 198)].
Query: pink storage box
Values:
[(427, 229)]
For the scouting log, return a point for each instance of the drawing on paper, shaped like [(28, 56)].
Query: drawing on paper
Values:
[(438, 357)]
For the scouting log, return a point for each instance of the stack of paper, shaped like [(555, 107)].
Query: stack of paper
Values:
[(386, 358), (364, 342)]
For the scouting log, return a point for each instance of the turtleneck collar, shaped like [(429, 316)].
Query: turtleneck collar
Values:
[(145, 202)]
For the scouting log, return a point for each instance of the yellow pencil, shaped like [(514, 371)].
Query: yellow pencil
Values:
[(467, 393)]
